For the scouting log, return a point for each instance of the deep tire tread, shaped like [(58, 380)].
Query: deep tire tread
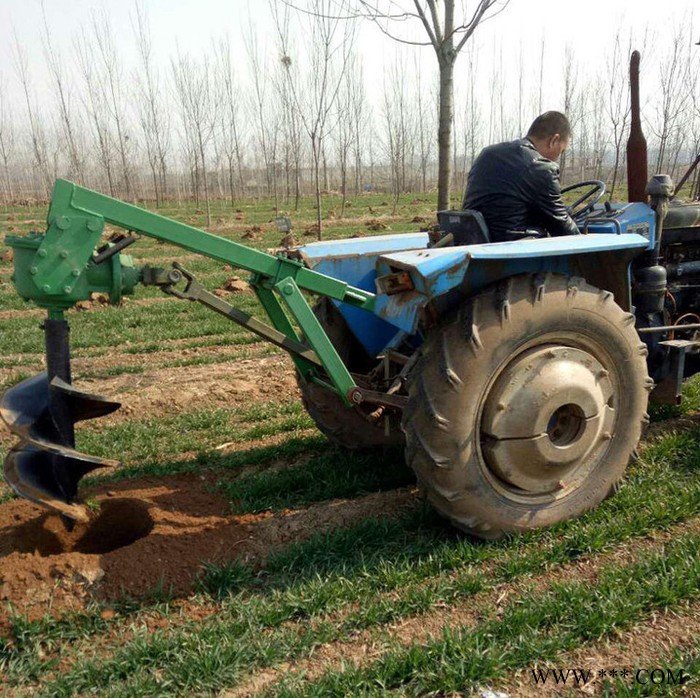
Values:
[(444, 461)]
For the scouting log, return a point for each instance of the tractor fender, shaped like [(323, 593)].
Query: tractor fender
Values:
[(457, 272)]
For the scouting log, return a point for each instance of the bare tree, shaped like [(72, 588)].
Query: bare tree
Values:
[(36, 128), (473, 116), (447, 34), (153, 117), (398, 129), (230, 127), (694, 120), (599, 129), (541, 80), (361, 127), (343, 116), (69, 128), (195, 93), (571, 104), (112, 81), (315, 90), (262, 106), (618, 102), (95, 107), (293, 136), (673, 80), (7, 141), (425, 117)]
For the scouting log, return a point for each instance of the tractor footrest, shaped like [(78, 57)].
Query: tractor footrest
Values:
[(668, 389)]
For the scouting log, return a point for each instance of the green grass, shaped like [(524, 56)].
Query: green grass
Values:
[(364, 567), (154, 439), (358, 577), (535, 627), (684, 666)]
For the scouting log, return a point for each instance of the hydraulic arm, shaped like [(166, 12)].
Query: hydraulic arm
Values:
[(66, 264)]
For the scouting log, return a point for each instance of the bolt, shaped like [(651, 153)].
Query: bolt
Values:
[(33, 270), (46, 288), (174, 276), (500, 406), (603, 373), (288, 290), (76, 273), (355, 395), (551, 354), (42, 253), (607, 435), (93, 224), (63, 254), (67, 289), (63, 222)]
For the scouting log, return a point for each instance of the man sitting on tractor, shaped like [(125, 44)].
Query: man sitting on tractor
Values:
[(515, 185)]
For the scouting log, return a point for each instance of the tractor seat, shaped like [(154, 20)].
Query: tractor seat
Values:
[(468, 227)]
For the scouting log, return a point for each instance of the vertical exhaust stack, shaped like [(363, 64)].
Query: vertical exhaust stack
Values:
[(636, 144)]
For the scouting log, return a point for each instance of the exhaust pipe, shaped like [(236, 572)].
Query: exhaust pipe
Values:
[(636, 144)]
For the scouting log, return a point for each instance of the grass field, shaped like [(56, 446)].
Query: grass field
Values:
[(346, 584)]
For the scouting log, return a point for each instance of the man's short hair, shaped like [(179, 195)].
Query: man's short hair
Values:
[(548, 124)]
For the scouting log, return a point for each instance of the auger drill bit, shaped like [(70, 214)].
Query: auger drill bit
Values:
[(44, 465)]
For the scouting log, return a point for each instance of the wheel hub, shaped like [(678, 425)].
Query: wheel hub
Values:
[(547, 419)]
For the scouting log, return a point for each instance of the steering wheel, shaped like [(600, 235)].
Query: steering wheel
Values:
[(582, 205)]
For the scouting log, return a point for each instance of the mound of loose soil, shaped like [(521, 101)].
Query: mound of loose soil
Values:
[(145, 534), (142, 534)]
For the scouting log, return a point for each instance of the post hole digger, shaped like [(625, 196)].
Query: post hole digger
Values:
[(516, 375)]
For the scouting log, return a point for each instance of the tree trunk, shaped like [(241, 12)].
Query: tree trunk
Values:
[(316, 150), (445, 132)]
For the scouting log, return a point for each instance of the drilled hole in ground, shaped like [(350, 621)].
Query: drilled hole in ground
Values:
[(118, 523)]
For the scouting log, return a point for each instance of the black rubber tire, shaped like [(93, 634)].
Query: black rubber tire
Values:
[(458, 365), (343, 425)]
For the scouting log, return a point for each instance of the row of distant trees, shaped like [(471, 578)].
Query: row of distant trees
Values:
[(299, 121)]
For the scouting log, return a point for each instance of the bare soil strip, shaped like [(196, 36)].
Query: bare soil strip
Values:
[(150, 532), (93, 306), (173, 391), (642, 647), (116, 354), (369, 645)]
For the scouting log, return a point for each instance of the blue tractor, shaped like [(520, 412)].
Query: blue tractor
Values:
[(515, 375)]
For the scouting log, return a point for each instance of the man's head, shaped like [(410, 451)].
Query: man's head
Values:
[(550, 133)]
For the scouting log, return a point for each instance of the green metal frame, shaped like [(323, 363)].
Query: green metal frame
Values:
[(57, 270)]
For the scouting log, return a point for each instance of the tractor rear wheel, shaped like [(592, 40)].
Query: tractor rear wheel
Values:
[(526, 405), (349, 427)]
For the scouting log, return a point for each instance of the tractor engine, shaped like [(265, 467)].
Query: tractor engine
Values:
[(680, 255)]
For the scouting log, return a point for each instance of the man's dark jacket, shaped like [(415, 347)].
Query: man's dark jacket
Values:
[(517, 189)]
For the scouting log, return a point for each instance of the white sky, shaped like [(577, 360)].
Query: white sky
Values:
[(588, 26)]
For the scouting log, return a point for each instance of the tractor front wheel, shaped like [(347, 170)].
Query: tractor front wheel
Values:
[(526, 405)]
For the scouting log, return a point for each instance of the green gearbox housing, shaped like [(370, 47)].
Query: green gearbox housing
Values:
[(69, 279)]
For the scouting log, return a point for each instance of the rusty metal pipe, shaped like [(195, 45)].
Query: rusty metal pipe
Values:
[(637, 175)]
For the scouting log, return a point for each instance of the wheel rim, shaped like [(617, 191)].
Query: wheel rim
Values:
[(547, 420)]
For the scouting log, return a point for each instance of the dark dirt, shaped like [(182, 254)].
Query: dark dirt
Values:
[(143, 534), (148, 534)]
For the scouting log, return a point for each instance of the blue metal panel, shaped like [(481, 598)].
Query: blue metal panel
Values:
[(376, 244), (635, 218), (436, 272), (355, 262)]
